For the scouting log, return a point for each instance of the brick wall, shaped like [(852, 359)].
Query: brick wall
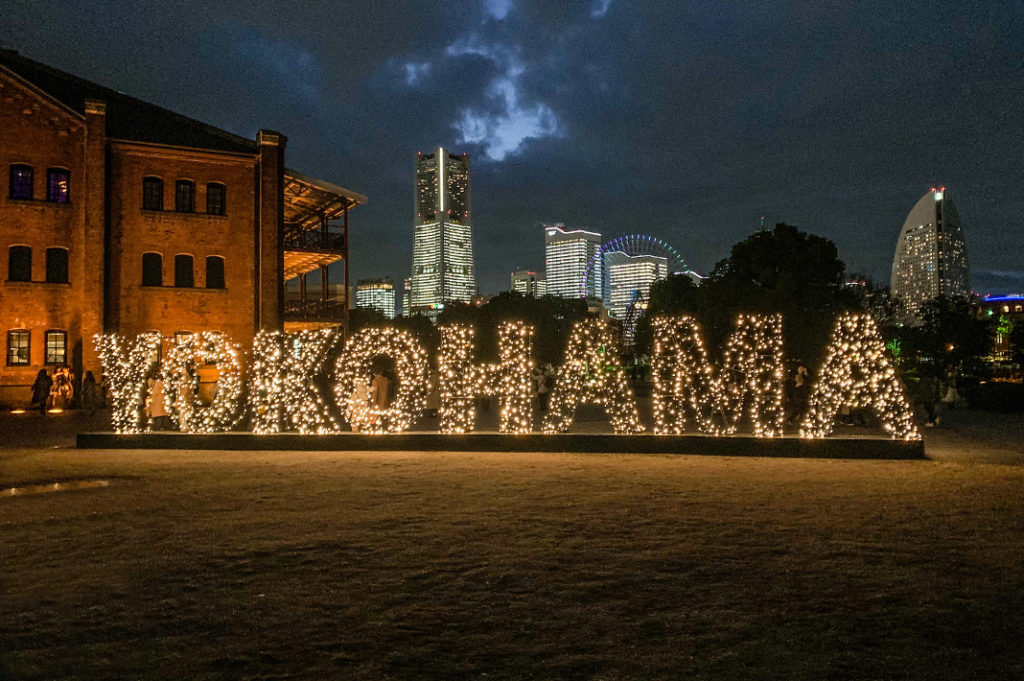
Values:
[(37, 131)]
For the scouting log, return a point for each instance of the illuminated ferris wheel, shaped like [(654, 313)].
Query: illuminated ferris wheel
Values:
[(632, 245)]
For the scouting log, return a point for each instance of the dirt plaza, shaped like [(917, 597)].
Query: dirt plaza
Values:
[(413, 565)]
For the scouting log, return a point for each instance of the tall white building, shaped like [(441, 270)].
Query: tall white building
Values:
[(931, 259), (566, 257), (406, 291), (378, 294), (529, 284), (442, 259), (630, 278)]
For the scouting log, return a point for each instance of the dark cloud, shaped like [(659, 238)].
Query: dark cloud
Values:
[(688, 120)]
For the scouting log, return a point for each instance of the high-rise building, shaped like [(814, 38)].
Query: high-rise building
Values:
[(442, 260), (630, 278), (566, 257), (406, 291), (931, 259), (528, 283), (377, 294)]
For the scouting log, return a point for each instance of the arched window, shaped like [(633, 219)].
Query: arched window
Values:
[(152, 193), (57, 265), (18, 347), (216, 199), (152, 269), (185, 196), (21, 182), (214, 271), (184, 271), (56, 347), (19, 263), (58, 185)]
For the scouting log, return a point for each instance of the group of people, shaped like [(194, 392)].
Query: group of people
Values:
[(58, 391)]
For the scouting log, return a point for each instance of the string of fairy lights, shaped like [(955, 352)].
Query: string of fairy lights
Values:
[(754, 373), (283, 392), (857, 373), (129, 371), (353, 380), (592, 373), (181, 377), (286, 371), (461, 382), (684, 380)]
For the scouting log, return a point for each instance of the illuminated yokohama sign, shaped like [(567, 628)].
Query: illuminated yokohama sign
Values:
[(690, 394)]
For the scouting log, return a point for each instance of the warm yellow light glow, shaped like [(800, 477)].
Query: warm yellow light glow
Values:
[(752, 375), (129, 370), (592, 372), (353, 367), (282, 393), (857, 373), (461, 381), (181, 383)]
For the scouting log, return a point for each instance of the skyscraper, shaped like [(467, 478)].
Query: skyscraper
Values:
[(378, 294), (528, 283), (566, 256), (630, 278), (930, 259), (442, 258)]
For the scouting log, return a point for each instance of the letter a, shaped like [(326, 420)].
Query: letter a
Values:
[(857, 373), (592, 373)]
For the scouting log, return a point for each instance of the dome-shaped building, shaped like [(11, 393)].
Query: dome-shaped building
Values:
[(931, 259)]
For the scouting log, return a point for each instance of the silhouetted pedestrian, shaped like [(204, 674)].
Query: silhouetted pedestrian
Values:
[(41, 391)]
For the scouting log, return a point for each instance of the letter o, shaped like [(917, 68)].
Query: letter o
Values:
[(410, 394), (181, 383)]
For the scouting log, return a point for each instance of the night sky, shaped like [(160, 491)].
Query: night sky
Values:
[(688, 120)]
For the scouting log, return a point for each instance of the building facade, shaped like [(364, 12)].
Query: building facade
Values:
[(567, 255), (629, 280), (931, 258), (376, 294), (529, 284), (121, 216), (443, 269)]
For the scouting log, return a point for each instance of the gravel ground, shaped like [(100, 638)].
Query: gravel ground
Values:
[(273, 565)]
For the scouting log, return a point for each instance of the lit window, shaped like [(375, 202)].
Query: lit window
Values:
[(21, 182), (56, 347), (58, 185), (17, 347)]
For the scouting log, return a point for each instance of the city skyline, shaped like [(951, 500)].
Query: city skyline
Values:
[(716, 117)]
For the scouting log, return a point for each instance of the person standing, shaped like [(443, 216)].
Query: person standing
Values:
[(90, 393), (41, 390), (540, 376), (379, 389)]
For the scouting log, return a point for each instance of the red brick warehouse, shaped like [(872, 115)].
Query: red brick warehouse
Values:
[(122, 216)]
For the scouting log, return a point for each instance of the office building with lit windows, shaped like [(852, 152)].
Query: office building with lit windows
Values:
[(567, 253), (629, 280), (931, 259), (529, 284), (442, 261), (376, 294)]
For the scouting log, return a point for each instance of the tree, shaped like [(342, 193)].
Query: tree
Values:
[(785, 270), (950, 334), (551, 317)]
